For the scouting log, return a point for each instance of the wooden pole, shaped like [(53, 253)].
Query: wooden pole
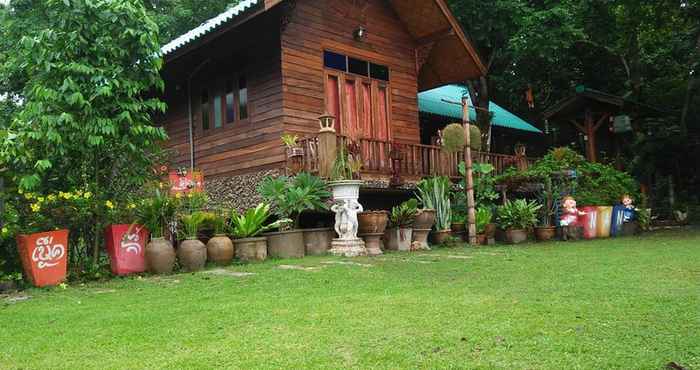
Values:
[(469, 180)]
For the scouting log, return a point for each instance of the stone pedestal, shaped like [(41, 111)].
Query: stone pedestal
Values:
[(348, 247), (373, 243), (420, 239)]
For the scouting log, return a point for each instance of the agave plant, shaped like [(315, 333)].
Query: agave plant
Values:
[(252, 222), (434, 193), (518, 214), (404, 214), (291, 197)]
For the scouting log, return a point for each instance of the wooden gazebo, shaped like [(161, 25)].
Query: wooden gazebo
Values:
[(590, 110)]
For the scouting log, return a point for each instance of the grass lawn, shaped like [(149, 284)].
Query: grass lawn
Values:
[(617, 303)]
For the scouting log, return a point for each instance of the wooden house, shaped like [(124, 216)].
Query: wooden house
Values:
[(263, 68)]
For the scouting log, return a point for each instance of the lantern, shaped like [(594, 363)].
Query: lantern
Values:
[(327, 122)]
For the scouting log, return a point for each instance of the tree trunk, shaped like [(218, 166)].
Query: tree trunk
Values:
[(479, 94)]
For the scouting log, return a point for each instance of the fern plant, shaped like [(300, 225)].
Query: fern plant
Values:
[(518, 214), (292, 196), (434, 193), (403, 215)]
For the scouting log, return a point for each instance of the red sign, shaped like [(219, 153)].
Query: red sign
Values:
[(186, 181), (44, 257), (126, 245)]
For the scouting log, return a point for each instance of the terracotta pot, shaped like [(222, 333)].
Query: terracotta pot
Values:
[(481, 239), (630, 228), (285, 244), (425, 218), (192, 255), (458, 227), (126, 245), (372, 222), (516, 236), (317, 242), (571, 232), (490, 231), (251, 249), (545, 233), (220, 250), (373, 244), (420, 239), (44, 257), (160, 256), (440, 237), (398, 239)]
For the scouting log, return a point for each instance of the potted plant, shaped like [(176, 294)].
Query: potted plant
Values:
[(220, 248), (156, 212), (295, 153), (433, 193), (125, 240), (246, 230), (546, 230), (290, 197), (345, 177), (398, 236), (191, 252), (516, 218), (371, 227), (483, 216)]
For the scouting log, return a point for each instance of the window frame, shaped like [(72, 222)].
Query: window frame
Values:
[(217, 86)]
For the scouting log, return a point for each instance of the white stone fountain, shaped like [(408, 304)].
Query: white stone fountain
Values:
[(346, 208)]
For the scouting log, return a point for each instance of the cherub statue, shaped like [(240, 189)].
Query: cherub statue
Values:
[(630, 211), (570, 214), (346, 224)]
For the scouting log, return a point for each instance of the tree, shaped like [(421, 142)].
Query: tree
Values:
[(175, 17), (84, 121)]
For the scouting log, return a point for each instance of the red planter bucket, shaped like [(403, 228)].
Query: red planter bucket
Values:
[(126, 245), (589, 221), (44, 257)]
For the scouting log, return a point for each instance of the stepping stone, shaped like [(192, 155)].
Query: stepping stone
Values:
[(459, 257), (16, 298), (296, 267), (224, 272), (347, 263), (103, 291)]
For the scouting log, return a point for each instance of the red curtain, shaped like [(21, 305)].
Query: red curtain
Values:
[(382, 126), (351, 109), (333, 100)]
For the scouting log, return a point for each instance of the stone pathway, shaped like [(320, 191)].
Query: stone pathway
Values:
[(347, 263), (300, 268), (12, 299), (224, 272)]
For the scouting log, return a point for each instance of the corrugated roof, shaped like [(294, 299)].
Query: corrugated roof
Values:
[(208, 26), (431, 102)]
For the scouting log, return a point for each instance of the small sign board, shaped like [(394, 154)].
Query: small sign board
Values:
[(622, 124), (185, 181)]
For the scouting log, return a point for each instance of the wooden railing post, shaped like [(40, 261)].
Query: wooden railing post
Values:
[(327, 150)]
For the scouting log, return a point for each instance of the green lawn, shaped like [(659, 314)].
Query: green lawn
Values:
[(617, 303)]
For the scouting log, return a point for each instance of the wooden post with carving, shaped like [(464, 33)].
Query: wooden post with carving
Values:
[(327, 146)]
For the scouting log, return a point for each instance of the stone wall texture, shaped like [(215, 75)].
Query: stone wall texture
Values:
[(237, 192)]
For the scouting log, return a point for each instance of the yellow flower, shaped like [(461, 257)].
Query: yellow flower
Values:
[(79, 193), (36, 207), (28, 196), (40, 199), (87, 195), (20, 191), (131, 206), (109, 204), (178, 195), (190, 194), (5, 230), (50, 197)]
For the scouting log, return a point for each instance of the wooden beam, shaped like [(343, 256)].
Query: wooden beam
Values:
[(601, 121), (578, 126), (435, 36), (461, 36)]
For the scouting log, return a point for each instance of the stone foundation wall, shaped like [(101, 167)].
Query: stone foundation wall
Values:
[(237, 192)]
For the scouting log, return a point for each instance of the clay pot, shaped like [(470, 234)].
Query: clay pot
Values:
[(630, 228), (440, 237), (192, 255), (220, 250), (490, 231), (420, 239), (516, 236), (545, 233), (373, 244), (481, 239), (425, 218), (459, 230), (372, 222), (317, 242), (398, 239), (285, 244), (251, 249), (160, 256)]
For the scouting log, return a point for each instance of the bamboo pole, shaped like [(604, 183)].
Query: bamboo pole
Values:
[(469, 180)]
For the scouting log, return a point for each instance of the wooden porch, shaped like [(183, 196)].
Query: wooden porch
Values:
[(410, 162)]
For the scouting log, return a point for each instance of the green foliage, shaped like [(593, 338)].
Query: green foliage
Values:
[(175, 17), (157, 211), (483, 217), (191, 224), (292, 196), (218, 222), (518, 214), (193, 201), (404, 214), (290, 141), (252, 223), (453, 138), (484, 188), (434, 193)]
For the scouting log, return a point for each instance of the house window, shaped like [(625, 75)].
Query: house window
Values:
[(357, 94), (217, 111), (243, 97), (230, 103), (205, 109)]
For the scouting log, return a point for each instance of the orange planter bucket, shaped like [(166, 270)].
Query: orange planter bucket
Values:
[(44, 257), (589, 221), (126, 245), (604, 221)]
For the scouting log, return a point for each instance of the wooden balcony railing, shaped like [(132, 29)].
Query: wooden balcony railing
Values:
[(414, 160)]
